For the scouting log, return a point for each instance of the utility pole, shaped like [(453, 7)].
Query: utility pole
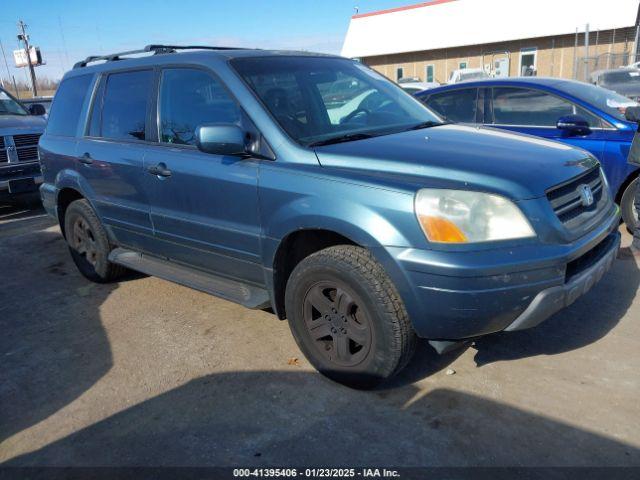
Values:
[(25, 38)]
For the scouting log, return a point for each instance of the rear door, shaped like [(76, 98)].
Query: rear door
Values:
[(111, 152), (205, 209), (536, 112)]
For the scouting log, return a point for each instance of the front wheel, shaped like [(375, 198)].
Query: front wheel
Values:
[(629, 212), (347, 317)]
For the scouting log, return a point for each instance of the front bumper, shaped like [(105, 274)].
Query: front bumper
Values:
[(16, 172), (457, 295), (554, 299)]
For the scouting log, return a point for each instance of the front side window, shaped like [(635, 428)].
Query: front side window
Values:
[(322, 99), (67, 106), (528, 107), (9, 106), (124, 110), (456, 105), (189, 98)]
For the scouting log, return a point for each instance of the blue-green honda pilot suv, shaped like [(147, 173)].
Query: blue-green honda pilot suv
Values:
[(313, 186)]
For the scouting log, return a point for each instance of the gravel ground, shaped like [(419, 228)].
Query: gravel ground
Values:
[(145, 372)]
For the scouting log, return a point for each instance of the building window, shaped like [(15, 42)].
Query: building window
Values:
[(399, 73), (528, 61), (462, 65), (428, 77)]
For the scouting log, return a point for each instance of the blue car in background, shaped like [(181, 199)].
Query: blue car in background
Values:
[(568, 111)]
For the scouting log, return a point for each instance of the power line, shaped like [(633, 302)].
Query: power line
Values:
[(64, 45)]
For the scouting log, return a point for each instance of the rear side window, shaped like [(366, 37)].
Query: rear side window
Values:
[(67, 105), (189, 98), (455, 105), (124, 110)]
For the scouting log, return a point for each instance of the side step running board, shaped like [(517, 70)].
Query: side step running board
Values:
[(248, 295)]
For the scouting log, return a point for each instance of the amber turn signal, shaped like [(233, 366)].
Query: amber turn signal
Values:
[(441, 230)]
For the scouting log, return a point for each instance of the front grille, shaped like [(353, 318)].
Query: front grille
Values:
[(3, 156), (566, 200), (27, 153), (1, 142), (25, 140)]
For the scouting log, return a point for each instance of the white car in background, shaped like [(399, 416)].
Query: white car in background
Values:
[(414, 85), (465, 74)]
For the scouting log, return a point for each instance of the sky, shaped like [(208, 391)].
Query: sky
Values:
[(69, 30)]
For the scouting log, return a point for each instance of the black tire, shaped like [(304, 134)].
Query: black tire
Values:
[(343, 286), (626, 206), (83, 228)]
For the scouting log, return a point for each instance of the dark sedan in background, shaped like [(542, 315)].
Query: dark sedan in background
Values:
[(625, 81), (568, 111)]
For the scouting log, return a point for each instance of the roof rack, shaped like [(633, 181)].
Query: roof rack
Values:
[(156, 49)]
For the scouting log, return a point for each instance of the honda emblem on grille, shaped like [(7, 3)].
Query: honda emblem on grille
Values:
[(586, 195)]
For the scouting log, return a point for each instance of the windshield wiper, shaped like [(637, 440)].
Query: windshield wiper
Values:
[(428, 124), (349, 137)]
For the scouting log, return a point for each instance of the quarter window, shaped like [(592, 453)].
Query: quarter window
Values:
[(456, 105), (521, 106), (124, 112), (189, 98), (66, 108)]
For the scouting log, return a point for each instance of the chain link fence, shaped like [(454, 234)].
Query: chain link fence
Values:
[(593, 43)]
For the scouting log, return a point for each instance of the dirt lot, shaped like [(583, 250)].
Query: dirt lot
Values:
[(145, 372)]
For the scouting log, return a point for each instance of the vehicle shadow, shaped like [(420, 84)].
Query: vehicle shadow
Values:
[(589, 319), (277, 418), (53, 346), (22, 214)]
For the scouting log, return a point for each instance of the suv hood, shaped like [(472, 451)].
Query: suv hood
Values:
[(454, 156), (13, 123)]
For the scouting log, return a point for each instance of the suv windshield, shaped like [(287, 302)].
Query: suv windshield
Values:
[(319, 100), (9, 106), (606, 100)]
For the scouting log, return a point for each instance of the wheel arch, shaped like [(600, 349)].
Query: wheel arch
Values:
[(292, 249), (65, 197), (625, 184)]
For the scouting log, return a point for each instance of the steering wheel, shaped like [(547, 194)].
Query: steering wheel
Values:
[(357, 111)]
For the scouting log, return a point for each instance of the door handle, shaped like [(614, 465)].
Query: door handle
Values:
[(85, 158), (160, 170)]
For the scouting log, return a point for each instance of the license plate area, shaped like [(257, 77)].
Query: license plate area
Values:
[(22, 185)]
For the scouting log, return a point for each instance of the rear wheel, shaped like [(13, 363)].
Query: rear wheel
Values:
[(627, 207), (88, 243), (347, 317)]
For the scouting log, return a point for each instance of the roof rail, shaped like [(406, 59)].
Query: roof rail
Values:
[(156, 49)]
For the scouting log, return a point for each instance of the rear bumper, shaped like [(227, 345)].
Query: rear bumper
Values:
[(48, 195), (461, 295)]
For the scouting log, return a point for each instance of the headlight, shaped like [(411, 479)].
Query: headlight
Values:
[(459, 216)]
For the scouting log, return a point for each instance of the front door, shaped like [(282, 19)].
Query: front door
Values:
[(204, 207)]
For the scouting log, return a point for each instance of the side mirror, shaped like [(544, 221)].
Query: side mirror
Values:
[(37, 109), (573, 125), (632, 114), (221, 139)]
